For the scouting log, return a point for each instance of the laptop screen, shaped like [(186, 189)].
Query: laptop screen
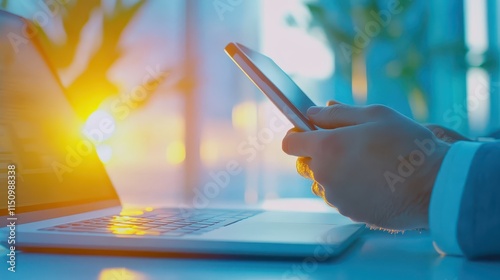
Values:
[(40, 135)]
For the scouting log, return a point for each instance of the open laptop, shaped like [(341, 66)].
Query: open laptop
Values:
[(65, 204)]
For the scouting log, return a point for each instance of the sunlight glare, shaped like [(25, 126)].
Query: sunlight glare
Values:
[(105, 152), (295, 48), (478, 99), (100, 126)]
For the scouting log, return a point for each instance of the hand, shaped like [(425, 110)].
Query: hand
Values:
[(445, 134), (371, 163)]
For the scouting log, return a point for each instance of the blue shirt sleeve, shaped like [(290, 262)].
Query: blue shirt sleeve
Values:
[(478, 228), (464, 213), (447, 196)]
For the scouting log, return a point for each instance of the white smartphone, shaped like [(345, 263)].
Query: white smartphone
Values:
[(274, 83)]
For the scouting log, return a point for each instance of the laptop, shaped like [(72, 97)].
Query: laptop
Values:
[(61, 198)]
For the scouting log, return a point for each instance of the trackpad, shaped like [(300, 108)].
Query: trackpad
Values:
[(301, 218), (284, 232)]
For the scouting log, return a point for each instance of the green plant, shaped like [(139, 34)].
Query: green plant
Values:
[(409, 57)]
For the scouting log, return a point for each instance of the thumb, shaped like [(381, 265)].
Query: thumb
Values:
[(339, 115), (332, 102)]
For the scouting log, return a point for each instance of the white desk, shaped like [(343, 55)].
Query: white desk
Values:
[(376, 255)]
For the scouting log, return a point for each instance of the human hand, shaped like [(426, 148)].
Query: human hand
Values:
[(445, 134), (371, 163)]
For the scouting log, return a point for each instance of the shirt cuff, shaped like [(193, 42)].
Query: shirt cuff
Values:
[(447, 196)]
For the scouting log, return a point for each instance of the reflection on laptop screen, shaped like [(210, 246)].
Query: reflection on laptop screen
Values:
[(39, 132)]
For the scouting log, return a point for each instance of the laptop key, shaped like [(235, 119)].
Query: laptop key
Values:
[(176, 234), (169, 223)]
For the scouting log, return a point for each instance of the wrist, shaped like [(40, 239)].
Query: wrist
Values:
[(425, 186)]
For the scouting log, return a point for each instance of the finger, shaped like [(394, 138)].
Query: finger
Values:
[(339, 115), (292, 130), (332, 102), (303, 169), (302, 144)]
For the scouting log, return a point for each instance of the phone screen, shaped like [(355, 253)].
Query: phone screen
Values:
[(274, 83)]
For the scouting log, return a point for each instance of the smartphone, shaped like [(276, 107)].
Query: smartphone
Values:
[(274, 83)]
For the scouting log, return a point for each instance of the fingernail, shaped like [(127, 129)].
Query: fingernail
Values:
[(313, 110), (284, 145)]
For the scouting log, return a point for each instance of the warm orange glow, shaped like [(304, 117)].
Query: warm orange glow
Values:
[(176, 152), (131, 212), (149, 209), (119, 273), (120, 230), (124, 225), (359, 80), (244, 116), (418, 105)]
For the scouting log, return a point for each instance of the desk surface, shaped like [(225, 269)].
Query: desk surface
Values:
[(377, 255)]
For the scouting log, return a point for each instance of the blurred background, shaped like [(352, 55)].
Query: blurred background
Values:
[(188, 126)]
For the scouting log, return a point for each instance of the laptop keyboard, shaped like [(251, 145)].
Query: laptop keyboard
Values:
[(165, 222)]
